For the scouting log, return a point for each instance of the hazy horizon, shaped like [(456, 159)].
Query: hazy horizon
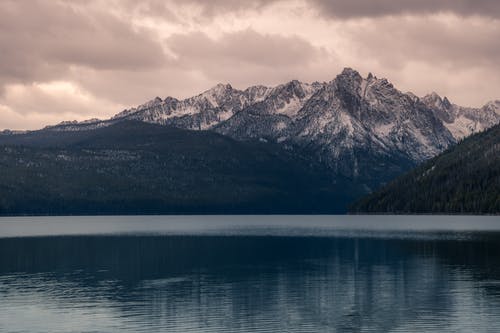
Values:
[(91, 59)]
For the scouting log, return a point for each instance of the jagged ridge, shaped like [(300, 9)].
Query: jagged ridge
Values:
[(362, 128)]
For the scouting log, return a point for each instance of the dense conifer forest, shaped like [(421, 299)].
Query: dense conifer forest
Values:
[(139, 168)]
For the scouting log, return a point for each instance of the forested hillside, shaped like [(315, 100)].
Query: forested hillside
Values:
[(139, 168), (463, 180)]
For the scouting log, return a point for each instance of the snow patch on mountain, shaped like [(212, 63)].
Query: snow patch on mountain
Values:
[(384, 129)]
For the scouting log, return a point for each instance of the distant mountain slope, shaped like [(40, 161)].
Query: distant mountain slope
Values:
[(362, 128), (463, 121), (139, 168), (464, 179)]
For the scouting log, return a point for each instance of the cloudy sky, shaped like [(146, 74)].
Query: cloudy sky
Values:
[(80, 59)]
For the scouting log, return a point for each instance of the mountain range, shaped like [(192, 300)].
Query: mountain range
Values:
[(363, 132)]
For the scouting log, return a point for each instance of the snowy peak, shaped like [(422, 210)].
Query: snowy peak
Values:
[(221, 88), (463, 121), (349, 74), (355, 90), (446, 103), (256, 94), (492, 106), (353, 112), (413, 97), (433, 100), (152, 103), (287, 99), (296, 88), (218, 94), (348, 81)]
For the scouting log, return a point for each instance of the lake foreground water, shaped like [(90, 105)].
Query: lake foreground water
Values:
[(250, 274)]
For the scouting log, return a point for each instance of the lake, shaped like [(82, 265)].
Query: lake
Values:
[(250, 274)]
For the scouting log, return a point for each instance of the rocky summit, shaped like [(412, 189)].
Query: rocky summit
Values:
[(363, 128)]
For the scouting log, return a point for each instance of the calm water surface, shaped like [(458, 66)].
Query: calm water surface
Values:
[(250, 274)]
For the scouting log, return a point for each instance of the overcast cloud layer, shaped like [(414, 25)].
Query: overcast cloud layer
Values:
[(65, 60)]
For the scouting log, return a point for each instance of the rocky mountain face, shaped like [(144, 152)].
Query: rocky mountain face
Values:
[(463, 121), (221, 103), (349, 122), (363, 128)]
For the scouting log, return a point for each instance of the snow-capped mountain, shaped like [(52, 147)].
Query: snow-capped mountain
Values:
[(199, 112), (349, 95), (347, 113), (219, 104), (358, 126), (463, 121)]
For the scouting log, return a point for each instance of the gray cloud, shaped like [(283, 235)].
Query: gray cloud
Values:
[(40, 40), (371, 8), (340, 9), (460, 44), (215, 7), (245, 46), (135, 87), (242, 58), (246, 57), (207, 8)]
